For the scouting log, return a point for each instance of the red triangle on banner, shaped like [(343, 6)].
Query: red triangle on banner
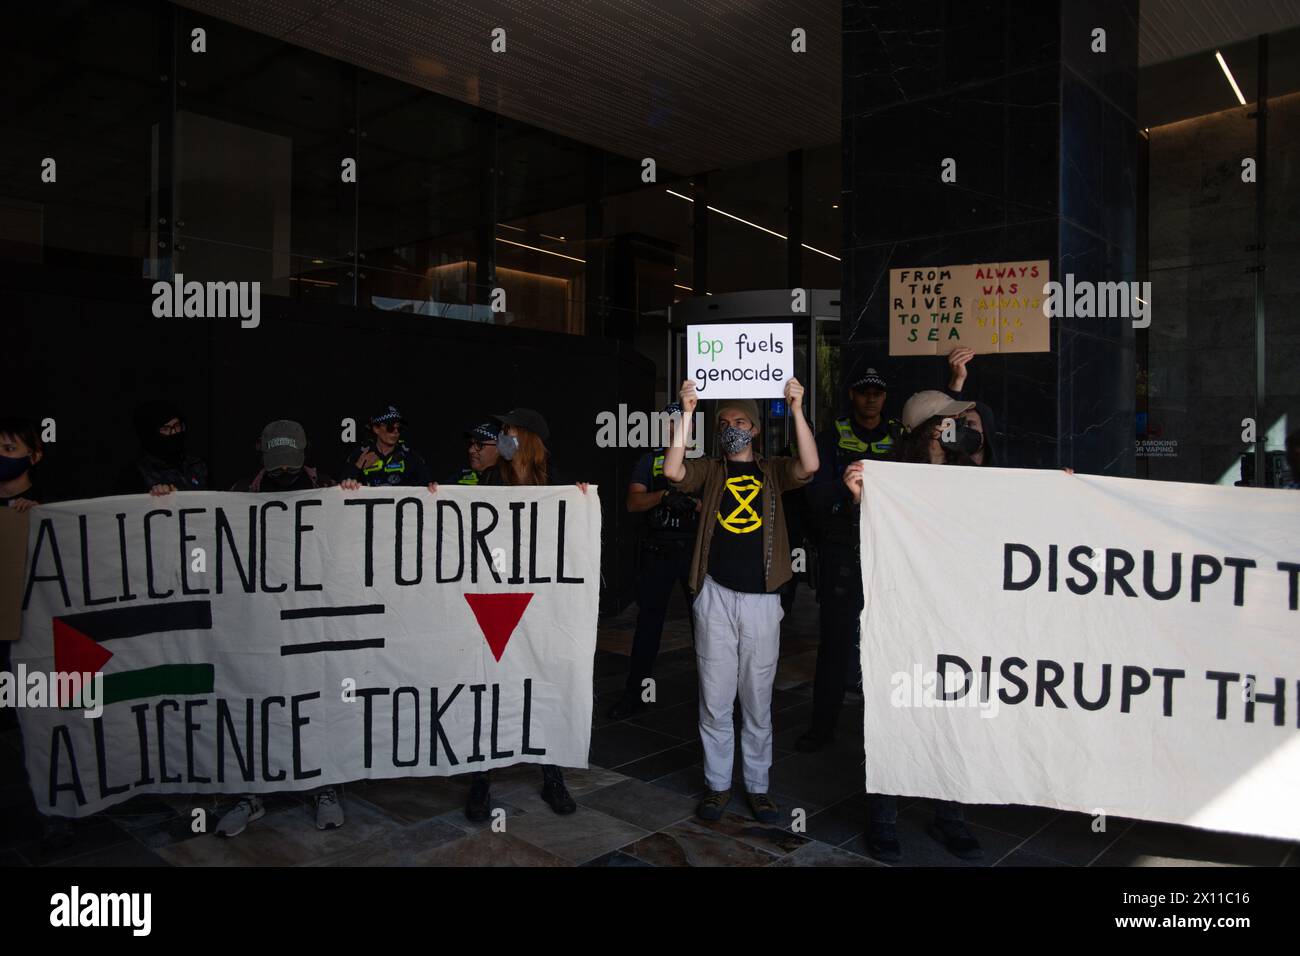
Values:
[(75, 653), (498, 615)]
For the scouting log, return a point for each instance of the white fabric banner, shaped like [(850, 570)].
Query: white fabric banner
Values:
[(1103, 645), (260, 642)]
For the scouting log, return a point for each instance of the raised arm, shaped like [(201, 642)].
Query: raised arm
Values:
[(805, 443), (675, 454)]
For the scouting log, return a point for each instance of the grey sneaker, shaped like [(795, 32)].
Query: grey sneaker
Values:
[(248, 809), (329, 812)]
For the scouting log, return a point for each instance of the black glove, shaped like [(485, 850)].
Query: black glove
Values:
[(679, 504)]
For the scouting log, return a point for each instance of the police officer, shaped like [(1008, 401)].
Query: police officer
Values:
[(667, 544), (386, 459), (481, 447), (864, 433)]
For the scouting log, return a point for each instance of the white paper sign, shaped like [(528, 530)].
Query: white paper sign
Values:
[(1111, 646), (741, 360), (261, 642)]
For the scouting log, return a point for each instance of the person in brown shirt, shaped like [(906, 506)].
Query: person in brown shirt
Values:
[(741, 559)]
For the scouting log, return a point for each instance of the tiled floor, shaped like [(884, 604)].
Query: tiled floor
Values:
[(636, 802)]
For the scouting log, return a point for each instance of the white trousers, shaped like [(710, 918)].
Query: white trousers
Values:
[(737, 642)]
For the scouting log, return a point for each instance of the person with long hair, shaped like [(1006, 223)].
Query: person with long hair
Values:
[(980, 418), (523, 461), (937, 435)]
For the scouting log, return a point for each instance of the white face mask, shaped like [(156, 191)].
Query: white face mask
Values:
[(507, 445)]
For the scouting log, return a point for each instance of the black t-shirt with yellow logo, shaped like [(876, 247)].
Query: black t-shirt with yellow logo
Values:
[(736, 550)]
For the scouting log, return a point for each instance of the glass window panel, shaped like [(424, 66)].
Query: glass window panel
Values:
[(82, 88)]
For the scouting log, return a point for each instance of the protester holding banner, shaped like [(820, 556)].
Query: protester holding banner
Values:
[(284, 462), (737, 575), (284, 468), (20, 452), (864, 433), (523, 460), (664, 562), (923, 416), (162, 466), (385, 460)]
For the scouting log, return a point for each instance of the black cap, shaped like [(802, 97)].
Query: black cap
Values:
[(869, 378), (389, 414), (526, 418)]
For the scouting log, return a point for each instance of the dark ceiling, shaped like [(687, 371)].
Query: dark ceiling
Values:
[(696, 84)]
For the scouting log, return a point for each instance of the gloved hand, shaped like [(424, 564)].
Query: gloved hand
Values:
[(679, 504)]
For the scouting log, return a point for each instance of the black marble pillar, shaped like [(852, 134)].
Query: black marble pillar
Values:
[(1045, 137)]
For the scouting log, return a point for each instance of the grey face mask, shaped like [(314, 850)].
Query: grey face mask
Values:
[(507, 445), (734, 440)]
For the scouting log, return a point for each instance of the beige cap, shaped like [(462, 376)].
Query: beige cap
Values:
[(926, 405), (746, 405)]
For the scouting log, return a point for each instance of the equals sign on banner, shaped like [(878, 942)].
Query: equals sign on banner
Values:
[(344, 610)]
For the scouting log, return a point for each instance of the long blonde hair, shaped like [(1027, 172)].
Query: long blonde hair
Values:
[(529, 466)]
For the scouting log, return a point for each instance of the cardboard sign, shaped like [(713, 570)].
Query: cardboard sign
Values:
[(988, 307), (740, 360), (13, 565)]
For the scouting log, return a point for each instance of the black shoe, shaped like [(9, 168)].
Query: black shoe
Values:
[(764, 809), (882, 843), (555, 793), (813, 741), (714, 805), (478, 806), (960, 842), (629, 705)]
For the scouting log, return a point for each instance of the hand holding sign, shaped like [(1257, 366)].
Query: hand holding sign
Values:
[(689, 399), (794, 396), (853, 480), (743, 360)]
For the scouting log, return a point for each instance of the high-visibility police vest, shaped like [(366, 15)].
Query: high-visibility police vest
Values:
[(468, 476), (850, 447)]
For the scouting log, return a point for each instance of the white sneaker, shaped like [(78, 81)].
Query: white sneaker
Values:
[(329, 812), (248, 809)]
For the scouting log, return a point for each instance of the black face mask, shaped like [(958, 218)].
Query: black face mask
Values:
[(965, 439), (167, 447), (283, 479)]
